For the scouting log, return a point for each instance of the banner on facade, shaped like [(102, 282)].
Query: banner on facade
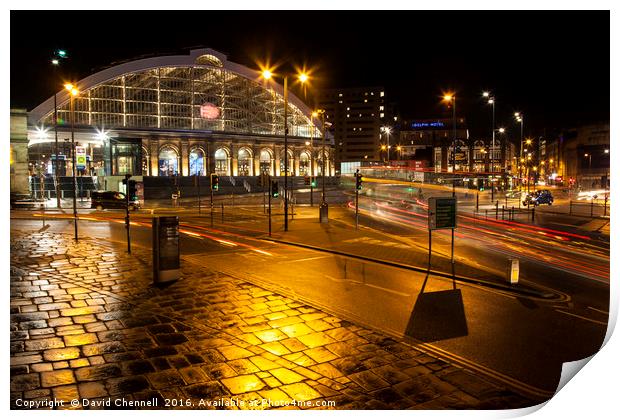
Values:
[(80, 158)]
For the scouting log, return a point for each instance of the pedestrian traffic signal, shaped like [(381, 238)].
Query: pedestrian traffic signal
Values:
[(132, 191), (313, 182), (306, 180), (275, 191), (215, 182), (358, 181)]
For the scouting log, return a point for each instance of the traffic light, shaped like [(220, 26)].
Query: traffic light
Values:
[(358, 181), (124, 181), (132, 191), (215, 182), (275, 191), (313, 182), (306, 180)]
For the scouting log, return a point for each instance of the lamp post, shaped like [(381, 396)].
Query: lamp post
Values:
[(302, 77), (58, 55), (451, 98), (323, 206), (387, 130), (72, 93), (519, 117)]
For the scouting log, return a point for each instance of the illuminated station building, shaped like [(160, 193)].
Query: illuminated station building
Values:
[(177, 116)]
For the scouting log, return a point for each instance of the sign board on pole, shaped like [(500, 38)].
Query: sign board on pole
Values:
[(80, 158), (441, 213)]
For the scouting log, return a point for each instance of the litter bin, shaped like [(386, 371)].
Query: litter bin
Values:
[(323, 213), (166, 262)]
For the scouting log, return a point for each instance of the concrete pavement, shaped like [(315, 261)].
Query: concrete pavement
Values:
[(88, 326)]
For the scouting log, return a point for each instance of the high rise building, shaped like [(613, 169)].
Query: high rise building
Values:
[(356, 116)]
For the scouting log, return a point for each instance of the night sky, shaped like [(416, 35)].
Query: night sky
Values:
[(553, 66)]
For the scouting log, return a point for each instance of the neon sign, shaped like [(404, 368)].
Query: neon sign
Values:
[(427, 124)]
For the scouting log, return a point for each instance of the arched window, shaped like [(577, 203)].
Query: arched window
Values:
[(221, 162), (323, 158), (244, 163), (304, 164), (197, 162), (168, 161), (290, 163), (265, 162)]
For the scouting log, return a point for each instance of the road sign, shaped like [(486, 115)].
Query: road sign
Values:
[(441, 213)]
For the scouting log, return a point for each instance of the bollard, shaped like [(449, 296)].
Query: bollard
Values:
[(570, 207), (222, 213), (503, 207), (512, 215), (496, 209), (533, 208), (486, 216), (513, 271), (591, 207)]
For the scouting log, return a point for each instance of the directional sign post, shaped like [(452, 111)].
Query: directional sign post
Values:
[(441, 215)]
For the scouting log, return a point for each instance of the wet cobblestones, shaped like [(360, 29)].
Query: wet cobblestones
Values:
[(86, 323)]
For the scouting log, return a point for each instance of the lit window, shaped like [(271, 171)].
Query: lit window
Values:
[(348, 108), (372, 93), (348, 115), (381, 108), (340, 94), (354, 129), (365, 100), (360, 115), (381, 115), (395, 118), (382, 94), (372, 115), (339, 102), (366, 93)]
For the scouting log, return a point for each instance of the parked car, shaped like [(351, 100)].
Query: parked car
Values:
[(111, 200), (538, 197)]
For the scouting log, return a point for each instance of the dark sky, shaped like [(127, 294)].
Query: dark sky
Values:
[(551, 65)]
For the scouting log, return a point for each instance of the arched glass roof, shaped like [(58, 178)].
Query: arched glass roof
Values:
[(198, 92)]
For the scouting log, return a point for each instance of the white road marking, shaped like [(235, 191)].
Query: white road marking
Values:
[(309, 259), (582, 317), (387, 290), (599, 310)]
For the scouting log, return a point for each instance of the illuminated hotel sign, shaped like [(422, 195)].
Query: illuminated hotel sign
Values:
[(435, 124)]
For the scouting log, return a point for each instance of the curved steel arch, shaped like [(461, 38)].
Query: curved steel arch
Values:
[(240, 106)]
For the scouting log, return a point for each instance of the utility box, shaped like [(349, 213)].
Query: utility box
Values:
[(513, 271), (166, 254)]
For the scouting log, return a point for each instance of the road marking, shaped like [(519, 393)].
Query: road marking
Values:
[(387, 290), (309, 259), (599, 310), (582, 317)]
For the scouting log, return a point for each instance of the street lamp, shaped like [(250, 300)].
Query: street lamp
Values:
[(491, 101), (58, 56), (387, 130), (520, 117), (303, 78), (73, 91), (451, 99)]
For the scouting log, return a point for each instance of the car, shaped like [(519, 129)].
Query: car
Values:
[(111, 200), (539, 197)]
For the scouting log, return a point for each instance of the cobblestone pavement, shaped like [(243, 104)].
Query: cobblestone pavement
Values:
[(88, 325)]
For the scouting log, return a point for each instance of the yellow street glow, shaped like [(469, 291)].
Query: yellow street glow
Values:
[(267, 74), (303, 77)]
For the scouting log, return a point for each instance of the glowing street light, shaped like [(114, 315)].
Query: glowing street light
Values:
[(73, 91), (267, 74)]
